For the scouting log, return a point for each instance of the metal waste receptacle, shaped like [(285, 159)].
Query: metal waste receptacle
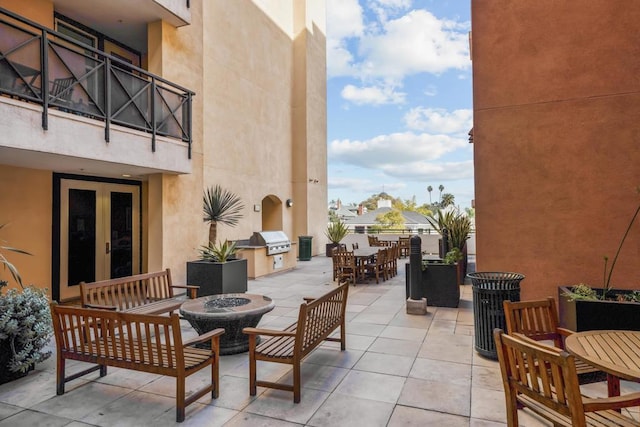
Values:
[(489, 290), (304, 248)]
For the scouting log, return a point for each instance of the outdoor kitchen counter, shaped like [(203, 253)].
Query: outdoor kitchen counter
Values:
[(260, 264)]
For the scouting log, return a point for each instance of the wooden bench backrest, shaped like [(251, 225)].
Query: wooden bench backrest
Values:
[(138, 341), (537, 319), (128, 292), (546, 375), (319, 318)]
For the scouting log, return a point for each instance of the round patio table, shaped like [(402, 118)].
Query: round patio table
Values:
[(233, 312)]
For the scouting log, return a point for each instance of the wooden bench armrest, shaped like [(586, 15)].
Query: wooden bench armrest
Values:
[(268, 332), (193, 290), (617, 402), (101, 307), (308, 299), (204, 337)]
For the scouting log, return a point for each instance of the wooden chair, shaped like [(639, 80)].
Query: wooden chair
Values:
[(355, 245), (405, 246), (377, 267), (538, 320), (61, 91), (346, 267), (543, 379)]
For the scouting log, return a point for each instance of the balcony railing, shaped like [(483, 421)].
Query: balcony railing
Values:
[(45, 67)]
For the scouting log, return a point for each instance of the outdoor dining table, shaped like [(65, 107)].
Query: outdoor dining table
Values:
[(615, 352), (362, 255)]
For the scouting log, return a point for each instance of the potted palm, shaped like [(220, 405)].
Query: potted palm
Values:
[(218, 271), (25, 324), (455, 228), (336, 231)]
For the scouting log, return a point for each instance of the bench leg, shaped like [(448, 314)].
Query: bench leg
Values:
[(103, 370), (180, 399), (296, 382), (60, 375), (215, 367), (252, 365)]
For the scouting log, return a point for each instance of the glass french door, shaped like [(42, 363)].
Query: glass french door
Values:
[(99, 233)]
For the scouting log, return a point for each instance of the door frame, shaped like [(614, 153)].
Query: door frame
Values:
[(56, 216)]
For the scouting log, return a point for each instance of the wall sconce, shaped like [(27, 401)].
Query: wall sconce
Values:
[(256, 208), (289, 203)]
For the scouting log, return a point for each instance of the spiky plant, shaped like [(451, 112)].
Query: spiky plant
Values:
[(222, 206), (7, 264)]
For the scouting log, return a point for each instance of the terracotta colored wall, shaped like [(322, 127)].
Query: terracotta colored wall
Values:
[(556, 134)]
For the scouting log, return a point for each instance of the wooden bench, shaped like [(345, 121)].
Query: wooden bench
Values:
[(317, 319), (139, 342), (149, 293)]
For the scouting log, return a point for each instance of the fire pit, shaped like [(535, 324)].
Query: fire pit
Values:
[(233, 312)]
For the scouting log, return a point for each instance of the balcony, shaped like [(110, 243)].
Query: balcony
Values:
[(46, 72)]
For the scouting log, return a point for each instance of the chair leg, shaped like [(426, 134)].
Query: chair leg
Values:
[(296, 382), (252, 365), (60, 375)]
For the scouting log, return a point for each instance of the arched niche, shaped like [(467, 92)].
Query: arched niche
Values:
[(271, 213)]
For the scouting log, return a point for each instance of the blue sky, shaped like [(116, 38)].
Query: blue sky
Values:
[(399, 101)]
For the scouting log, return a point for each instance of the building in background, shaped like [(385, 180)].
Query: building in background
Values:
[(116, 115)]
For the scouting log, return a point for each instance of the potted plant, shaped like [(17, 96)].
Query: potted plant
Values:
[(218, 271), (336, 231), (439, 280), (583, 307), (25, 324), (455, 228)]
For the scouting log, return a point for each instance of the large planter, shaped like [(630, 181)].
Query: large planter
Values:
[(584, 315), (330, 247), (438, 284), (218, 277)]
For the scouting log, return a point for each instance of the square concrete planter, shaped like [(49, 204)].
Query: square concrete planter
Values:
[(585, 315), (218, 277)]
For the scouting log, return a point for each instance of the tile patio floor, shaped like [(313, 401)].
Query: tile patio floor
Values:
[(398, 370)]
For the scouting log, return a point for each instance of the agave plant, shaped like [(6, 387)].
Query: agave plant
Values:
[(222, 206), (458, 226), (336, 231), (218, 253), (7, 264)]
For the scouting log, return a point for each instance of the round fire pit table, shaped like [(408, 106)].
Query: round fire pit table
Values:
[(233, 312)]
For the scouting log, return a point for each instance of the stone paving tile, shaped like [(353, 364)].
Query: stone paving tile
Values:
[(340, 410)]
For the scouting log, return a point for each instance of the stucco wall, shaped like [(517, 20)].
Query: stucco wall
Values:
[(25, 197), (556, 139)]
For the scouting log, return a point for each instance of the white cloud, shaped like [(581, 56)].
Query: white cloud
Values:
[(344, 21), (393, 150), (364, 185), (429, 171), (439, 120), (385, 8), (374, 95), (414, 43)]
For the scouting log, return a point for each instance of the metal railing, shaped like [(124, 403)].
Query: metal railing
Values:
[(45, 67)]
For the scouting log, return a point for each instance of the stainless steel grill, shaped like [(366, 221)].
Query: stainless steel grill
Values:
[(276, 242)]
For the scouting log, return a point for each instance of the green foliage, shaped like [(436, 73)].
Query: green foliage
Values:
[(458, 226), (336, 231), (25, 324), (391, 219), (581, 292), (7, 264), (218, 253), (222, 206), (453, 256), (633, 296)]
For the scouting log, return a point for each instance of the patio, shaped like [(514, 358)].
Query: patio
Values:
[(398, 370)]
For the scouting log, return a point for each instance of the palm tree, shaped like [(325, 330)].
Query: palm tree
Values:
[(220, 206), (441, 187), (447, 199), (429, 189)]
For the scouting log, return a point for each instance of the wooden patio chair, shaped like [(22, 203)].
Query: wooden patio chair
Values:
[(405, 246), (378, 267), (346, 267), (538, 320), (547, 384)]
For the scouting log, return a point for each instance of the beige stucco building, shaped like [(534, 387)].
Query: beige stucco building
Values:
[(556, 94), (106, 174)]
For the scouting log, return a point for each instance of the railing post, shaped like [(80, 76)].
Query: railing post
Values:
[(107, 98), (44, 78), (153, 115), (190, 122)]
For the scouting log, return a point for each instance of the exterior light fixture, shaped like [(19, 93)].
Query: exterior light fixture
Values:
[(289, 203)]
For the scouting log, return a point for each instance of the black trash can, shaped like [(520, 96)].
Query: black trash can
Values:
[(489, 290), (304, 248)]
